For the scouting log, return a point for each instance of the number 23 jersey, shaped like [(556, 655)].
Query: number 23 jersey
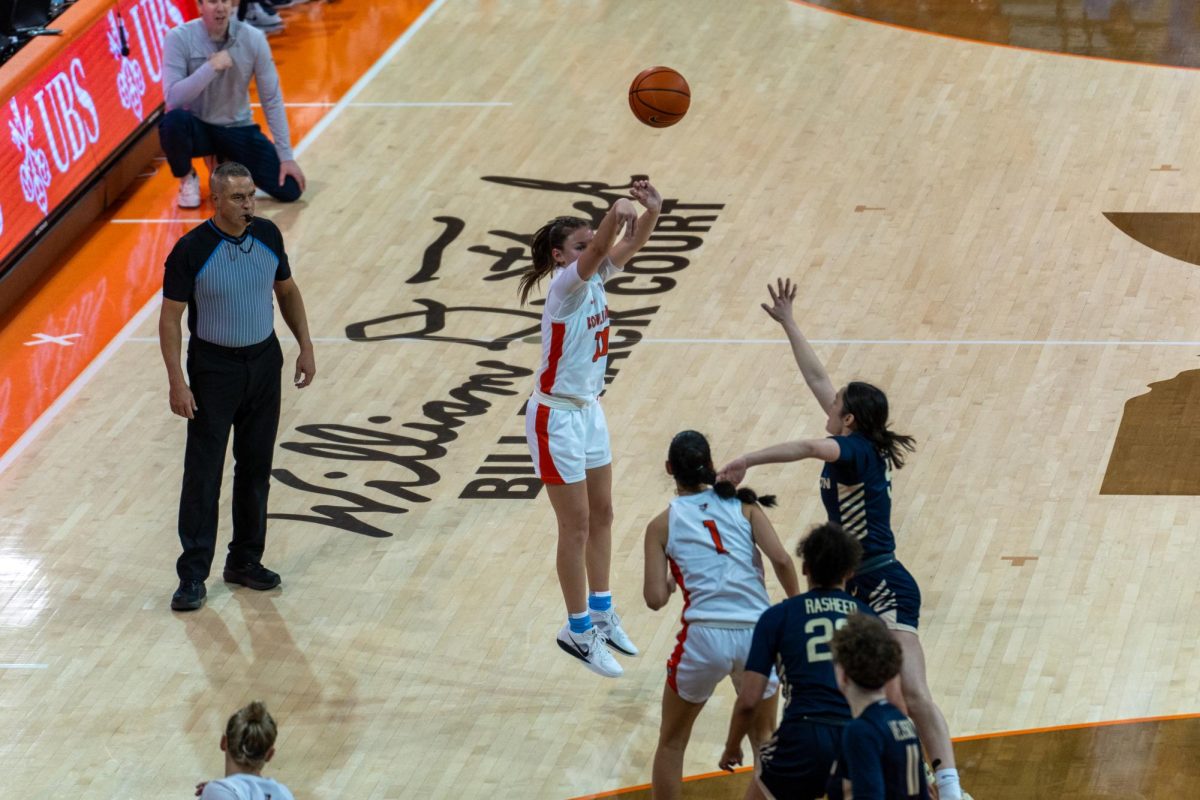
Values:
[(793, 636)]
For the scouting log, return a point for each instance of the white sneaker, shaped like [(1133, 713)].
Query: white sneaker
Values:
[(610, 625), (589, 648), (259, 17), (189, 191)]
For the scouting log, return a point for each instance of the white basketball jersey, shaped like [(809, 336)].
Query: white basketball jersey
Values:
[(245, 787), (575, 337), (714, 560)]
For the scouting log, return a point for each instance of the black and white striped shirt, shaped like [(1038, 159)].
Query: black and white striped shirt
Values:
[(228, 283)]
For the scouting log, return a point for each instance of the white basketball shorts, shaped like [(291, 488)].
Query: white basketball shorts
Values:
[(705, 656), (565, 442)]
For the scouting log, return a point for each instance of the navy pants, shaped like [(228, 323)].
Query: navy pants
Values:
[(185, 137), (238, 389)]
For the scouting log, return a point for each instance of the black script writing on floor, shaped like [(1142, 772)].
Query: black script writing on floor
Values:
[(404, 455), (408, 455)]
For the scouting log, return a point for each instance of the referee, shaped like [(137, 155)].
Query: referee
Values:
[(223, 272)]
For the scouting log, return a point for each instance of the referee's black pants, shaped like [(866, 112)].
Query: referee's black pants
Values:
[(234, 388)]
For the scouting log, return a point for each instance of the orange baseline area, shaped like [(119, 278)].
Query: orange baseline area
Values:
[(975, 738), (115, 269)]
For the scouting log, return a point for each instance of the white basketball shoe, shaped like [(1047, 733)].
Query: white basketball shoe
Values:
[(189, 191), (610, 625), (589, 648)]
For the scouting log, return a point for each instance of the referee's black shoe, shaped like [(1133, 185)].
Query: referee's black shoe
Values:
[(189, 596), (252, 576)]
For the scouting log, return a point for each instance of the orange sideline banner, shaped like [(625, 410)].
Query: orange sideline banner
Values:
[(70, 110)]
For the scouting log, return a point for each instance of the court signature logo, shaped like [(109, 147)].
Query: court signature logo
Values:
[(410, 450)]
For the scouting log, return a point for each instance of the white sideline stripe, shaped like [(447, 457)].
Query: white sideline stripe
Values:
[(24, 666), (431, 104), (126, 332), (883, 342)]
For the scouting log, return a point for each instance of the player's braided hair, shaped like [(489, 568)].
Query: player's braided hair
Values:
[(548, 238), (829, 554), (250, 735), (869, 405), (866, 651), (691, 464)]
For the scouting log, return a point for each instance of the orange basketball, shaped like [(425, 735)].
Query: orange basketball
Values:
[(659, 97)]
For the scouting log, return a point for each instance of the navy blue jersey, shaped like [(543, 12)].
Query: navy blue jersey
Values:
[(881, 755), (793, 636), (857, 493)]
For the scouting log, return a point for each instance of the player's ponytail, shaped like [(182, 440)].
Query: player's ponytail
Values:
[(691, 464), (869, 406), (548, 238)]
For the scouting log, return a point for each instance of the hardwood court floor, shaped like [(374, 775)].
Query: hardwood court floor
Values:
[(941, 203)]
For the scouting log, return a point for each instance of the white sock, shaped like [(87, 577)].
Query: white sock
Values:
[(947, 784)]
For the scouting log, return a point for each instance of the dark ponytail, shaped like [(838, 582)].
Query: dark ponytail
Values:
[(869, 406), (691, 464), (548, 238)]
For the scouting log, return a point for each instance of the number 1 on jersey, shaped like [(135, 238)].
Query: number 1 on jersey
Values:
[(716, 536), (601, 344)]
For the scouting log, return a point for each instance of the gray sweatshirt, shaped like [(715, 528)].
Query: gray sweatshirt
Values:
[(223, 98)]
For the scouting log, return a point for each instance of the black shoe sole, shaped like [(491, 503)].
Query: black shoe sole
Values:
[(569, 650), (192, 606), (241, 580), (613, 646)]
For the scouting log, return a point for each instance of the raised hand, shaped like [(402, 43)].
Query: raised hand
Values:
[(782, 295), (645, 193), (626, 216)]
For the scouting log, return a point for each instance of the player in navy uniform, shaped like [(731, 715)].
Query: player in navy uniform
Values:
[(794, 636), (856, 489), (712, 539), (881, 754)]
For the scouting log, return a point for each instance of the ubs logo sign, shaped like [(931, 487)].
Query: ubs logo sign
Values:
[(60, 119), (68, 115), (152, 19), (35, 167)]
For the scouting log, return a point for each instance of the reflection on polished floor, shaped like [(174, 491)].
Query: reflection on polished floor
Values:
[(992, 234), (1146, 31)]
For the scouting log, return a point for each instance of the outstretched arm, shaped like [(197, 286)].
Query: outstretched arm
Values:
[(780, 310), (823, 449), (637, 236)]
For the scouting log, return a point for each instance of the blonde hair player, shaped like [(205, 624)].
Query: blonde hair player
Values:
[(248, 744), (711, 536), (564, 424)]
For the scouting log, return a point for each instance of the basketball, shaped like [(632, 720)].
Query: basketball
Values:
[(659, 97)]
